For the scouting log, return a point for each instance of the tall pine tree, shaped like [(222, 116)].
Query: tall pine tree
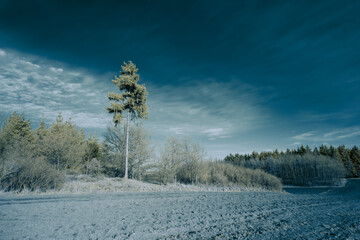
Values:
[(131, 101)]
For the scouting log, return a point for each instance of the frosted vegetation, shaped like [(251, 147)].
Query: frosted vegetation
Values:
[(57, 157), (304, 166)]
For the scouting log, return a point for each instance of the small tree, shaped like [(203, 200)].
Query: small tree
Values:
[(93, 148), (131, 100), (16, 129), (193, 155), (171, 159), (64, 145)]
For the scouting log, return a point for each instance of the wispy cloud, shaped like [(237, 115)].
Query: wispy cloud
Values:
[(176, 130), (349, 135), (214, 133), (344, 133), (208, 107), (304, 136), (336, 135), (324, 117), (57, 70), (35, 86)]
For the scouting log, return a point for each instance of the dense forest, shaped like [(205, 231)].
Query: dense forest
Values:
[(303, 165)]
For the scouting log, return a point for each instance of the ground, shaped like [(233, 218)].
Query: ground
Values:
[(326, 214)]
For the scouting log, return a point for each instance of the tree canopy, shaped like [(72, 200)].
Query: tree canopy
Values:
[(132, 97)]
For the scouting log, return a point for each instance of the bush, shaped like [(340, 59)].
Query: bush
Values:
[(224, 174), (18, 173), (180, 161), (93, 167)]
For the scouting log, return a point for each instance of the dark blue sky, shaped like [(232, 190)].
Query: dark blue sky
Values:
[(236, 76)]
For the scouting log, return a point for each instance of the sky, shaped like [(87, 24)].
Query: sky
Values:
[(234, 76)]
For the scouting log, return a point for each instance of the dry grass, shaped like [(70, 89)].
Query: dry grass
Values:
[(84, 184)]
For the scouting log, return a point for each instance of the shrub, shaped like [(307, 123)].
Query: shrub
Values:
[(224, 174), (180, 161), (93, 167), (18, 173)]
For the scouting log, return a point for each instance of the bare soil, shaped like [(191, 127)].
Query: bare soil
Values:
[(330, 214)]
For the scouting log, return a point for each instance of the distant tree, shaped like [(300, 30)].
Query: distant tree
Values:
[(255, 155), (40, 135), (263, 155), (41, 131), (344, 157), (230, 158), (131, 100), (287, 152), (272, 166), (93, 148), (323, 149), (276, 154), (316, 151), (355, 158), (192, 157), (171, 158), (301, 150), (332, 152)]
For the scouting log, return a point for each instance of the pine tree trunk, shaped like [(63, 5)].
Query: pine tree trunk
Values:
[(127, 146)]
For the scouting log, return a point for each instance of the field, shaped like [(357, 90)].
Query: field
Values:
[(327, 213)]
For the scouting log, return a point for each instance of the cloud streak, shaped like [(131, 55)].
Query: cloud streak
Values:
[(33, 86), (207, 109), (214, 133), (336, 135)]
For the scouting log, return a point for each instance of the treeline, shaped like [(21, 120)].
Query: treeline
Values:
[(41, 158), (304, 166)]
